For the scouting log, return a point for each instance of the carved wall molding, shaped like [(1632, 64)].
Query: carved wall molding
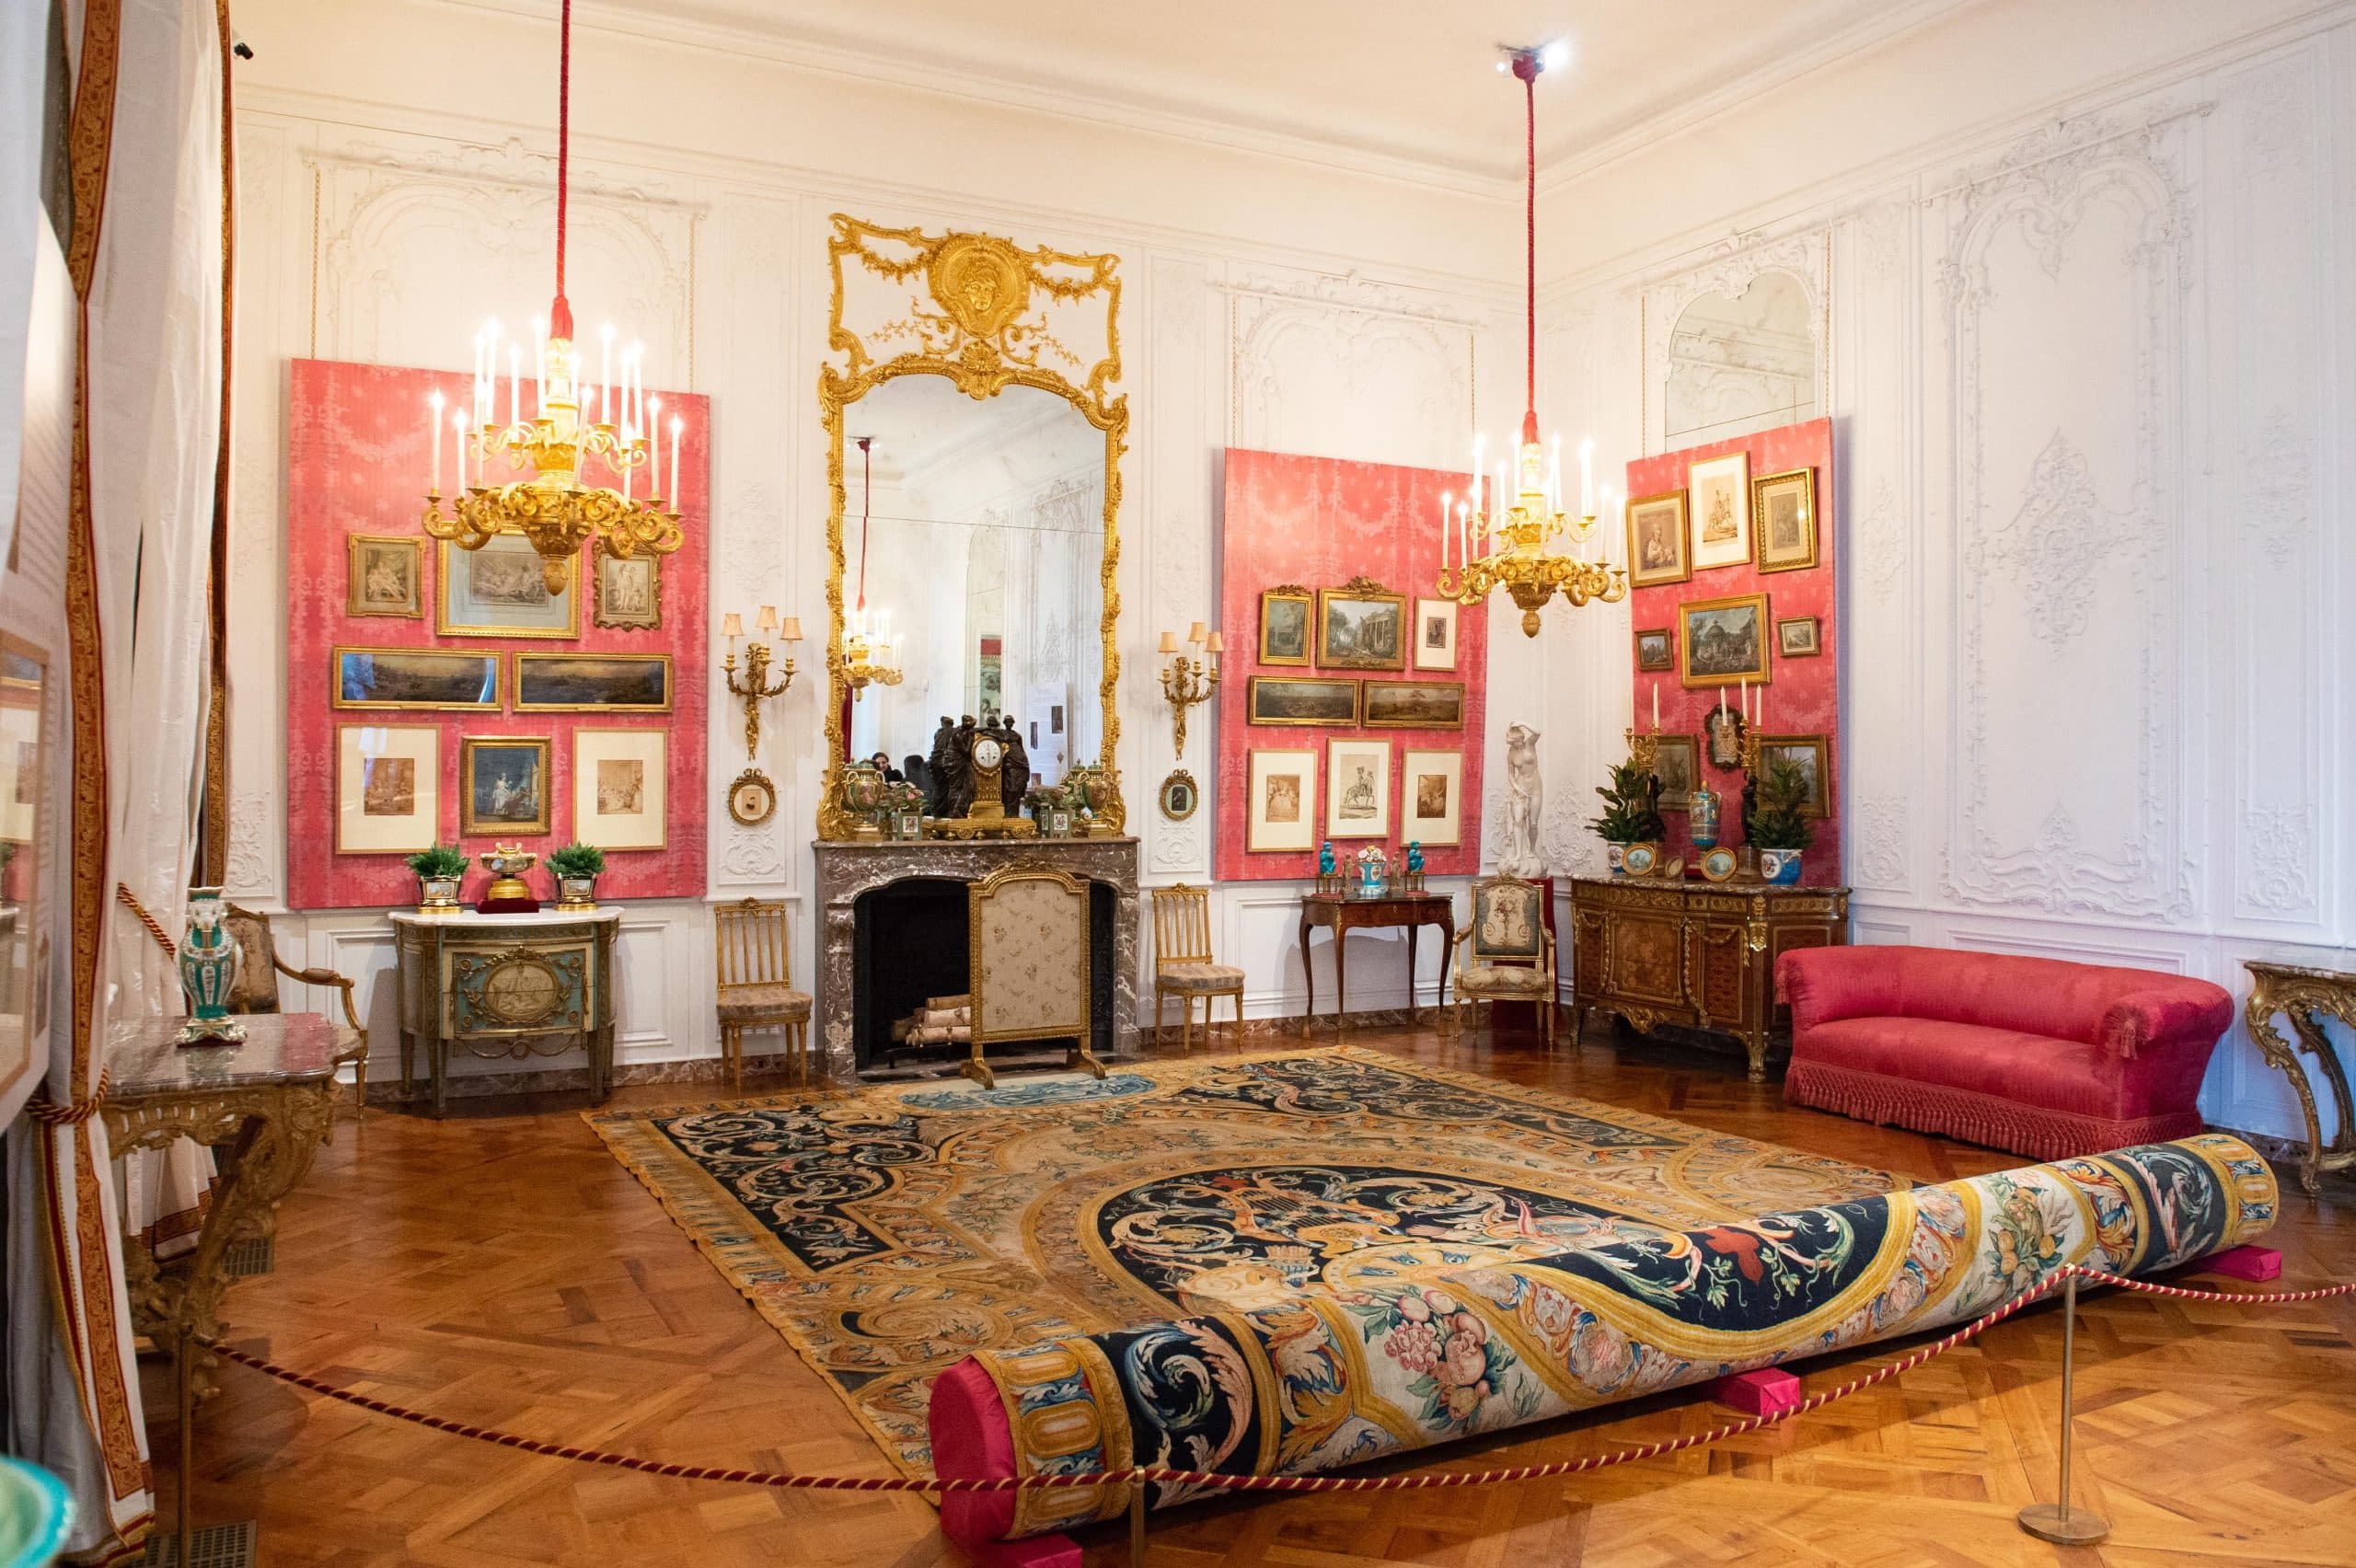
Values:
[(1728, 268)]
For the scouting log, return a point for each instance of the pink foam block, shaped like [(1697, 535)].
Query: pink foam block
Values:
[(1762, 1392), (2245, 1263), (1033, 1551)]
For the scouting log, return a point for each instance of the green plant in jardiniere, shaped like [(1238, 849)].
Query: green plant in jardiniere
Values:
[(441, 861), (1777, 817), (577, 860), (1631, 806)]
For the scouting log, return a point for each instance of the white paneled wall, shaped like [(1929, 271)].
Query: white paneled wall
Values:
[(2090, 369), (387, 232)]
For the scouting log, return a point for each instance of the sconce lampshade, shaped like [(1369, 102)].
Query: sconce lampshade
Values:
[(731, 624)]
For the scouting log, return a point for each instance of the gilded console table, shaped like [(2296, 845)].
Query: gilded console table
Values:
[(262, 1105), (1696, 954), (2308, 996), (1343, 913), (506, 985)]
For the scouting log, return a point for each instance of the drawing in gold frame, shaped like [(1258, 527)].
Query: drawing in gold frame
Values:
[(1783, 514), (388, 788), (1288, 616), (1728, 619), (520, 570), (536, 693), (1280, 809), (1371, 630), (1289, 699), (621, 786), (627, 592), (972, 307), (435, 678), (384, 575), (1659, 548), (485, 811)]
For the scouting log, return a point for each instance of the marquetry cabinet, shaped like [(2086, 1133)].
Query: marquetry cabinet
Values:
[(1696, 955)]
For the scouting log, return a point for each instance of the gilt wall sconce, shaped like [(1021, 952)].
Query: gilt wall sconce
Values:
[(755, 686), (1187, 680)]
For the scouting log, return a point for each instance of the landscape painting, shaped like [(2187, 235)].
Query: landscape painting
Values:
[(414, 678), (1721, 641), (1361, 627), (1301, 700), (629, 683), (1413, 705)]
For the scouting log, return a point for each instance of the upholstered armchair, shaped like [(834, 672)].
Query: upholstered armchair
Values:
[(1506, 953), (257, 987), (1027, 951), (756, 985), (1183, 965)]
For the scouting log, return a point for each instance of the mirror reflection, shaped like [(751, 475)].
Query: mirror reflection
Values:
[(974, 545), (1742, 363)]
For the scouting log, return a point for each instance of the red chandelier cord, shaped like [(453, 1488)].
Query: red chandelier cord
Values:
[(559, 312), (866, 498), (1528, 75)]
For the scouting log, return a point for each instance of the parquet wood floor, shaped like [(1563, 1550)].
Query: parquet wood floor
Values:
[(501, 1268)]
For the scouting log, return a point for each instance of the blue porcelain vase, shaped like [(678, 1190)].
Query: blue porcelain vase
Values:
[(1779, 865), (1702, 815)]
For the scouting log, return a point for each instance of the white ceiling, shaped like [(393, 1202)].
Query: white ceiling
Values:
[(1407, 85)]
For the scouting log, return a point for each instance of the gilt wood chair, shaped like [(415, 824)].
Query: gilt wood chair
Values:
[(1027, 951), (756, 985), (256, 990), (1183, 962), (1506, 951)]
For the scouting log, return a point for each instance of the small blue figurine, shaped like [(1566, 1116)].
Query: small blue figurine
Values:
[(1325, 858), (1415, 857)]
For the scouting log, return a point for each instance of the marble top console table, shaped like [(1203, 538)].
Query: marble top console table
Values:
[(506, 985), (848, 870)]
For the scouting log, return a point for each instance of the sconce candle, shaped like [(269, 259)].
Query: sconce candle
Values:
[(1187, 681)]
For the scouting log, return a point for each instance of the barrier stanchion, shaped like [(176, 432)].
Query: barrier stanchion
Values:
[(1136, 1525), (2059, 1522)]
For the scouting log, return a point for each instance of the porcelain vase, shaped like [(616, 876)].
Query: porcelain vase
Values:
[(208, 964), (1779, 865)]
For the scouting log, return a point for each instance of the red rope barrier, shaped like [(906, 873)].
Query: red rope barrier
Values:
[(1421, 1481)]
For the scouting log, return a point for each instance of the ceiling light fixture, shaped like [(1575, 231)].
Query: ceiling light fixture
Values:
[(1506, 547)]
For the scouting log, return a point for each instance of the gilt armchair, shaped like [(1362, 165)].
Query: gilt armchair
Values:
[(1183, 963), (256, 990), (1504, 952)]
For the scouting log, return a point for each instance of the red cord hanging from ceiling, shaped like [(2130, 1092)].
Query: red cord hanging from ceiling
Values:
[(559, 311), (866, 491), (1525, 66)]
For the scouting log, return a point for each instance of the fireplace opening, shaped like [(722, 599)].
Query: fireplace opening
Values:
[(908, 948)]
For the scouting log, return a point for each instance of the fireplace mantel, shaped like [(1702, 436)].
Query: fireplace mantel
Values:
[(847, 869)]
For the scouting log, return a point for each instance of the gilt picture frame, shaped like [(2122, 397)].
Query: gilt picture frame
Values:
[(1436, 634), (385, 575), (1431, 798), (1656, 649), (498, 591), (1357, 789), (1412, 705), (388, 789), (1282, 815), (1659, 548), (1718, 491), (1798, 637), (1783, 511), (504, 786), (1813, 754), (620, 797), (1361, 626), (1301, 700), (1722, 642), (1677, 766), (628, 591), (1288, 618), (592, 682), (414, 678)]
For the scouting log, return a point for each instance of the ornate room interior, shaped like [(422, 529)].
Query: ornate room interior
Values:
[(882, 783)]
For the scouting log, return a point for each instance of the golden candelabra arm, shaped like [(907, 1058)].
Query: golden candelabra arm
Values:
[(755, 688), (1644, 749), (862, 668), (1186, 682)]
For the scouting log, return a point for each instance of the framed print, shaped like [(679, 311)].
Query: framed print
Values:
[(751, 799), (1301, 699), (628, 593), (1435, 634), (1180, 795), (1656, 649), (1285, 624), (1721, 641), (387, 788), (386, 576), (613, 683), (1431, 797), (1361, 626), (1797, 638), (618, 796), (1357, 789), (1413, 705), (1659, 547), (1813, 755), (414, 678), (1282, 815), (1720, 492), (1722, 732), (499, 591), (502, 785), (27, 743), (1783, 508), (1677, 767)]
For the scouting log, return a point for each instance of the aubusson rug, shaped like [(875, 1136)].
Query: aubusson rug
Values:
[(887, 1232)]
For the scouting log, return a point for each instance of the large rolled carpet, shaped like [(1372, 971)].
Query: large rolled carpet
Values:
[(889, 1232), (1427, 1349)]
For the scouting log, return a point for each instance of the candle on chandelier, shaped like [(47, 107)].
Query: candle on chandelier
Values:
[(433, 439), (458, 439), (515, 384), (654, 448), (675, 423), (1555, 476), (1464, 533)]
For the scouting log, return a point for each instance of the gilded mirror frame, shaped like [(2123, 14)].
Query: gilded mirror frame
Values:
[(976, 311)]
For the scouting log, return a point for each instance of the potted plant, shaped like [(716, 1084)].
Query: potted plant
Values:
[(577, 867), (439, 870), (1631, 815), (1776, 824)]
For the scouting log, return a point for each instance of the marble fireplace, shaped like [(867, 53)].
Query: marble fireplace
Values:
[(893, 938)]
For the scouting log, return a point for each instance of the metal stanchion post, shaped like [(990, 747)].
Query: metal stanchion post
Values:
[(2058, 1522), (1137, 1524)]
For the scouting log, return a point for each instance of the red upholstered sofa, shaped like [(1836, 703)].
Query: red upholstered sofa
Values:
[(2045, 1058)]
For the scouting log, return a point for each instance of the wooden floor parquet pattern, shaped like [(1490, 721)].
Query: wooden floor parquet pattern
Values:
[(500, 1268)]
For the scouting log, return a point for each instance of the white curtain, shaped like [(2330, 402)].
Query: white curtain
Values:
[(155, 434)]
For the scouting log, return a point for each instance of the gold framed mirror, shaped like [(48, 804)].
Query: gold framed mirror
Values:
[(973, 470)]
